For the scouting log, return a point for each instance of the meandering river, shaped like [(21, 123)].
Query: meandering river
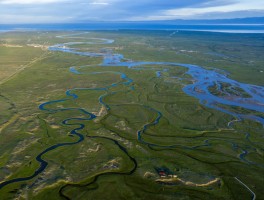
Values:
[(202, 80)]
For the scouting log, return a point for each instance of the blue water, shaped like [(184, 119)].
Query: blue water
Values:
[(134, 26), (202, 80)]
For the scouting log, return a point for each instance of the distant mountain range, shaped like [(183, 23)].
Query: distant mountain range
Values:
[(242, 25), (252, 20)]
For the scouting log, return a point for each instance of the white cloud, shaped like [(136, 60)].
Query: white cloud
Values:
[(239, 5), (247, 8), (129, 10), (99, 3), (28, 1), (51, 1), (31, 18)]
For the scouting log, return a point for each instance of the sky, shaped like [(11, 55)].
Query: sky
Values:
[(70, 11)]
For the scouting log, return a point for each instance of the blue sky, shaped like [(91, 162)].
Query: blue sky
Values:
[(60, 11)]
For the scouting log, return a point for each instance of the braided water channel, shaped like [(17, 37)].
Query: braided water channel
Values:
[(203, 79)]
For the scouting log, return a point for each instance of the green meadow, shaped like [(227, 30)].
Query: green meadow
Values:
[(200, 155)]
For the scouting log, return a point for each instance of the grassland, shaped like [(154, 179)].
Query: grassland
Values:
[(191, 141)]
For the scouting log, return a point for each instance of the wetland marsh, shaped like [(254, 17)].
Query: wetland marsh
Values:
[(145, 114)]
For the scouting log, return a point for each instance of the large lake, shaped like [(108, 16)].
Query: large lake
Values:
[(239, 28)]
